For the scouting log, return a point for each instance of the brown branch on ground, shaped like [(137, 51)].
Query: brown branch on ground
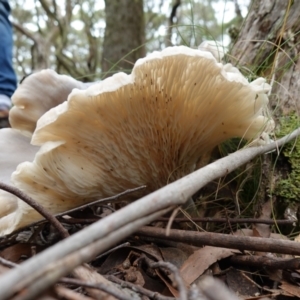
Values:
[(39, 208), (229, 220), (99, 286), (242, 243), (127, 244), (111, 199), (195, 220), (266, 262)]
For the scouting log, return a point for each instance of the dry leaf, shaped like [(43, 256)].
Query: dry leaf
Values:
[(201, 260)]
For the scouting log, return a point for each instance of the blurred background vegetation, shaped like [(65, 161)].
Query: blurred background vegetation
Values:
[(90, 39)]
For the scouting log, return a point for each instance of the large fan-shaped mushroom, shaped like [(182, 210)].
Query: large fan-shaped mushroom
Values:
[(147, 128)]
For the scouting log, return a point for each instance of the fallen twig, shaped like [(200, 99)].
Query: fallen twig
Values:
[(111, 199), (152, 205), (38, 207), (100, 286), (183, 295), (196, 238), (87, 274), (266, 262), (102, 201), (113, 249), (68, 294), (137, 288), (228, 220), (7, 263)]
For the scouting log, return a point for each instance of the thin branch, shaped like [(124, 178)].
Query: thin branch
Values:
[(65, 293), (171, 22), (110, 199), (200, 239), (225, 220), (52, 15), (195, 220), (39, 208), (7, 263), (49, 272), (266, 262), (111, 230), (99, 286), (24, 31), (127, 244), (183, 295), (137, 288)]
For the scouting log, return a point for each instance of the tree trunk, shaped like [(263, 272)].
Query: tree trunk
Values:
[(124, 35), (268, 46)]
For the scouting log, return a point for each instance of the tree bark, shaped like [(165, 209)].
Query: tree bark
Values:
[(268, 46), (124, 35)]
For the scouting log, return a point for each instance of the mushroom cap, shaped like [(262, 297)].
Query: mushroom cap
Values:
[(216, 49), (147, 128), (15, 148), (37, 94)]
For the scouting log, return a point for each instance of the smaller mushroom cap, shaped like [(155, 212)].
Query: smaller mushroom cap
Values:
[(37, 94), (215, 48)]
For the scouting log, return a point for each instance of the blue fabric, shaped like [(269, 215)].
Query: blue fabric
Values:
[(8, 80)]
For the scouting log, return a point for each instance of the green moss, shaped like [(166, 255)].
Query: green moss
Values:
[(288, 186)]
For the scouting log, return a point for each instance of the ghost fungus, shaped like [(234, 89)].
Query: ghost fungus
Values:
[(147, 128), (37, 94), (215, 48)]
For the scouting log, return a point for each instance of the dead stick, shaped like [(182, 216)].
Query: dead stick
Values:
[(99, 286), (230, 220), (137, 288), (224, 240), (266, 262), (39, 208)]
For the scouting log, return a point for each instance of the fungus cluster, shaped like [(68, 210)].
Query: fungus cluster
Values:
[(147, 128)]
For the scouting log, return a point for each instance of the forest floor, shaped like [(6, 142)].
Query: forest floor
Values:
[(173, 257)]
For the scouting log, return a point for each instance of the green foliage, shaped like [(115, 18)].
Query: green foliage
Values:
[(288, 187)]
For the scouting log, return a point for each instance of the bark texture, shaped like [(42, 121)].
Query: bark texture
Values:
[(268, 45), (124, 35)]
